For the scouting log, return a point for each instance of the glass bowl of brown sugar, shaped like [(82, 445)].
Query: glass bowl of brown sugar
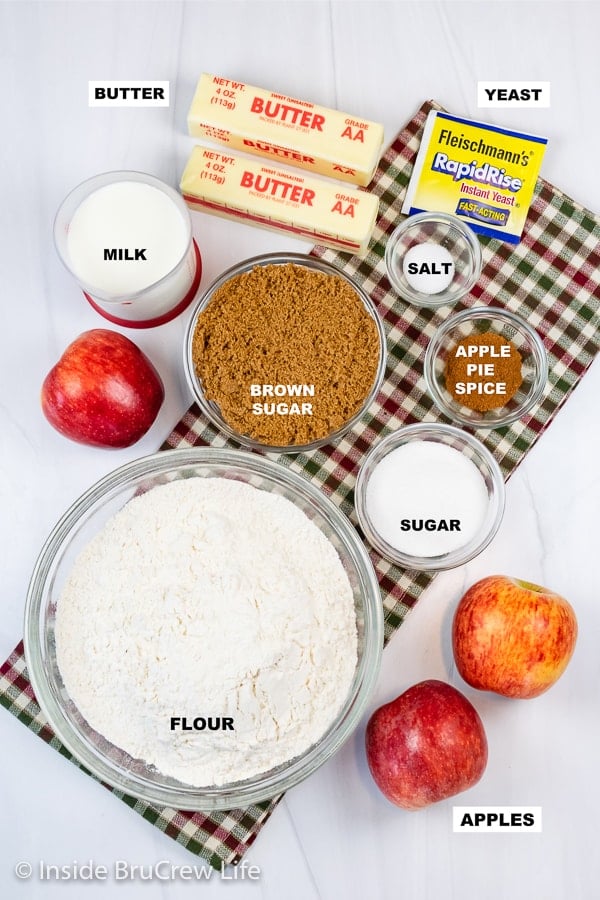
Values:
[(485, 367), (284, 353)]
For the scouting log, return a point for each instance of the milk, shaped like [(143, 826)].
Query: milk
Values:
[(126, 237)]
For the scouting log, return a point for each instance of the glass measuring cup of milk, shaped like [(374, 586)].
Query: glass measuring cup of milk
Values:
[(126, 237)]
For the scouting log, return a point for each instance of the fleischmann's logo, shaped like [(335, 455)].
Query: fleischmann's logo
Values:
[(480, 148)]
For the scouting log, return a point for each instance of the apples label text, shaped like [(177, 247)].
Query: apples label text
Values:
[(496, 819)]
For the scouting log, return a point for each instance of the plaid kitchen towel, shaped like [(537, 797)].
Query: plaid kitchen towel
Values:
[(552, 279)]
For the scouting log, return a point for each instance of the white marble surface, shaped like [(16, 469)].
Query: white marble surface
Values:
[(334, 835)]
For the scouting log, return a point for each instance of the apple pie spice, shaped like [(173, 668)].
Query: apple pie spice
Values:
[(484, 371), (289, 354)]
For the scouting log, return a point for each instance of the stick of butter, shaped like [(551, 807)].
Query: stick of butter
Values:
[(309, 208), (324, 141)]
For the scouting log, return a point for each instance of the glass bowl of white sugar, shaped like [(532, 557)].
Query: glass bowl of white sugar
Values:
[(429, 497), (203, 629)]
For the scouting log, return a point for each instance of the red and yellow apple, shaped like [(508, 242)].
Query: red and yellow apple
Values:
[(426, 745), (512, 637), (103, 391)]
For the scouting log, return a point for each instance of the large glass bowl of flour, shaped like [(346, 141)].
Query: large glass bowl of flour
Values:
[(148, 664)]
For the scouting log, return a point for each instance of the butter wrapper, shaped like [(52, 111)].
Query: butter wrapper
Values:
[(315, 210), (285, 130)]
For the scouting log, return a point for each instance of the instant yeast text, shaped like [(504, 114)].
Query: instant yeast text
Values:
[(482, 173), (312, 209), (295, 132)]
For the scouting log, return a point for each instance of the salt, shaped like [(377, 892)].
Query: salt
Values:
[(426, 499), (428, 268)]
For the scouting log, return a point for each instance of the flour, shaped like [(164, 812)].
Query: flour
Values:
[(206, 597)]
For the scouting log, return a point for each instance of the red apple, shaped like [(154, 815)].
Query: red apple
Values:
[(512, 637), (426, 745), (103, 391)]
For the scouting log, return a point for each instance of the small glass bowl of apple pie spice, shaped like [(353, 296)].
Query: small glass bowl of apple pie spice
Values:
[(485, 367)]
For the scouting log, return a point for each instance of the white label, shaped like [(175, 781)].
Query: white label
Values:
[(128, 93), (496, 819), (513, 93)]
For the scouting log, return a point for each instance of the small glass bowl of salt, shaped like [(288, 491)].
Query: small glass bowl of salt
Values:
[(429, 497), (433, 259)]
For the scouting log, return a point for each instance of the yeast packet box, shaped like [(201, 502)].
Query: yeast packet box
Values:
[(482, 173)]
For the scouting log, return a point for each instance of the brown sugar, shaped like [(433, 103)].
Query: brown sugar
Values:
[(483, 371), (288, 354)]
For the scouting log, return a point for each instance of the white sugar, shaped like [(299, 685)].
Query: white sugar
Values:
[(419, 492)]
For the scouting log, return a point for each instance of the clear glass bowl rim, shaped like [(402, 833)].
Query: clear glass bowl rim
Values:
[(263, 787), (246, 265), (432, 301), (476, 314), (424, 431), (102, 179)]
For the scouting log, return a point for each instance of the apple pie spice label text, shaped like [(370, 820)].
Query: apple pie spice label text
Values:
[(496, 819)]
